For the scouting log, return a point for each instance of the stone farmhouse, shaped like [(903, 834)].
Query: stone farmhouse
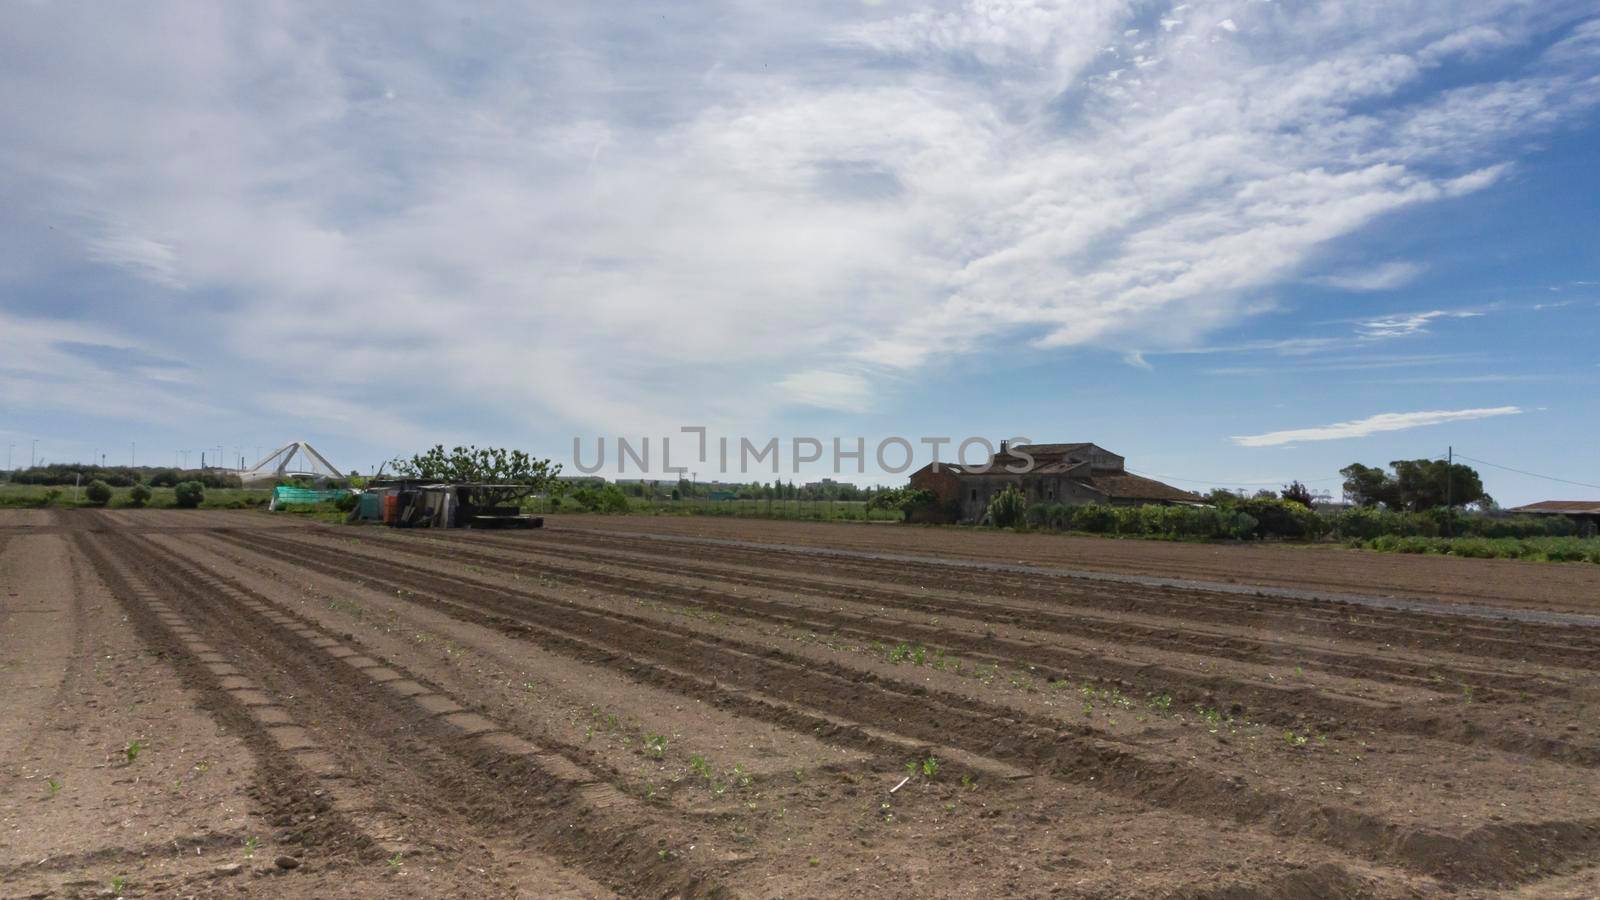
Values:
[(1072, 474)]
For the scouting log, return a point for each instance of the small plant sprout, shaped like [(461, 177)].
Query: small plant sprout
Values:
[(699, 766), (655, 745), (395, 861), (133, 750), (250, 845), (968, 782), (118, 882), (664, 853), (1294, 740), (930, 767), (53, 785)]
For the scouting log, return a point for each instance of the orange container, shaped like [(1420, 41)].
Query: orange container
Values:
[(391, 509)]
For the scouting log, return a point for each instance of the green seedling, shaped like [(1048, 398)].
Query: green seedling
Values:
[(133, 750), (54, 785), (930, 767), (250, 845), (395, 861), (968, 782), (699, 766), (118, 882), (655, 745), (1294, 740)]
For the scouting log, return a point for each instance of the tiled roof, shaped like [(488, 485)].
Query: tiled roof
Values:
[(1137, 487), (1582, 507)]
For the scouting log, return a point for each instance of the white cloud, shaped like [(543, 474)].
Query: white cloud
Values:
[(1371, 425), (840, 391), (1384, 277), (533, 210), (1409, 323)]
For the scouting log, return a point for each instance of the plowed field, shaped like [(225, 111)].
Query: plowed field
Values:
[(208, 703)]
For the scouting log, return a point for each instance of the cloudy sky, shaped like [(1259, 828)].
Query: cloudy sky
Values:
[(1237, 242)]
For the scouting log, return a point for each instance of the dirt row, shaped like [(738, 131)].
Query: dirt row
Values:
[(965, 721), (580, 713), (1329, 568)]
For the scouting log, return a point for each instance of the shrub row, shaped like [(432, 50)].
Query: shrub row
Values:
[(1261, 518), (1550, 549)]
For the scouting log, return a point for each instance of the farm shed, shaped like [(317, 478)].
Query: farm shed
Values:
[(1072, 474), (1585, 512)]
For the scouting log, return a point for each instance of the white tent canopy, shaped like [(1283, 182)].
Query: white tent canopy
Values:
[(298, 458)]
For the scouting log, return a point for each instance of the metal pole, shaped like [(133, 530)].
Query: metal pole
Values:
[(1449, 491), (33, 455)]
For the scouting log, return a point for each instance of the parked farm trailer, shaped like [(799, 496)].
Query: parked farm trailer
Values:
[(408, 503)]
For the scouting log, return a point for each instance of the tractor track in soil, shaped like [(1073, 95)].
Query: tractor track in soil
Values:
[(1265, 701), (1460, 629), (1496, 853), (442, 765), (374, 679)]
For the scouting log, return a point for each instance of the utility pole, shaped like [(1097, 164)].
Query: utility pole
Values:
[(1449, 490), (133, 455), (33, 455), (9, 448)]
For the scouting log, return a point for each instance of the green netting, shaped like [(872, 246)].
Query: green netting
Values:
[(285, 496)]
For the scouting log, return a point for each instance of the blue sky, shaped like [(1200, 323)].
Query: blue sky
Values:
[(1237, 242)]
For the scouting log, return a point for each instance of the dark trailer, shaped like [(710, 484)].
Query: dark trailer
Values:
[(425, 503)]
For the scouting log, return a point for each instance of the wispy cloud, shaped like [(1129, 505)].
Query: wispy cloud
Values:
[(1371, 425), (1409, 323), (841, 391), (1384, 277)]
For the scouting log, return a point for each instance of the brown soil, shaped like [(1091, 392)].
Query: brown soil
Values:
[(1316, 568), (727, 707)]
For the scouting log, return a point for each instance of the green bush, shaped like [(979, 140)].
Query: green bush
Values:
[(98, 492), (1007, 508), (189, 494), (608, 499), (1094, 518), (139, 495), (346, 502)]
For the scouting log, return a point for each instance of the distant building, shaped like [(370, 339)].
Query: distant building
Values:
[(1072, 474), (1585, 512)]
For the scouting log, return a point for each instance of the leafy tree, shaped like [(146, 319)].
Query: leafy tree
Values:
[(1368, 485), (98, 492), (495, 475), (189, 494), (1295, 492), (1416, 485), (139, 496), (1432, 483)]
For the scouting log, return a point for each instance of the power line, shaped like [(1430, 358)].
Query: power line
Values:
[(1484, 462)]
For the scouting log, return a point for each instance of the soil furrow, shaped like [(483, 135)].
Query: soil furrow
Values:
[(1507, 639), (1488, 853), (1279, 705), (475, 777)]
